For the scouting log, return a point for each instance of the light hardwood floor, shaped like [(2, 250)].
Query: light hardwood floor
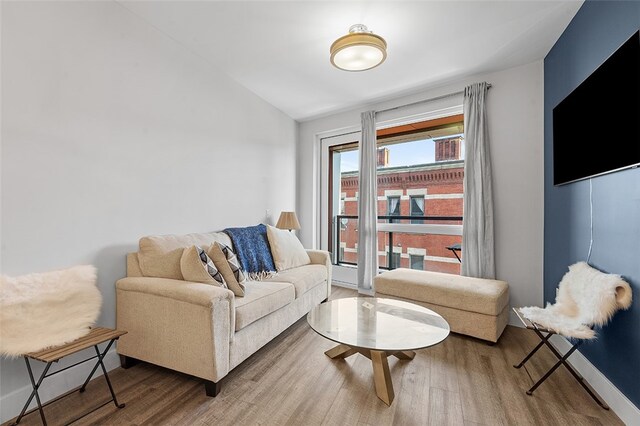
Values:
[(290, 381)]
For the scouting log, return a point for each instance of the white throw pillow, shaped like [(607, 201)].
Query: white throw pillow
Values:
[(286, 249)]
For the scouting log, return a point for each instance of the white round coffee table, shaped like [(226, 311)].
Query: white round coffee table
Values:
[(377, 328)]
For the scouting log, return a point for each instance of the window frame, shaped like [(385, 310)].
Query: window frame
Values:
[(389, 131)]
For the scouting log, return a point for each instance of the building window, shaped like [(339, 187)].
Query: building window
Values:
[(393, 206), (395, 261), (343, 221), (417, 261), (341, 255), (416, 207)]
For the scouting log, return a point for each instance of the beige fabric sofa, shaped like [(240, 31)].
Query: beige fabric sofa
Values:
[(476, 307), (200, 329)]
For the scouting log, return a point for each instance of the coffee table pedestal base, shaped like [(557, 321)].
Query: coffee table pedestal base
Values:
[(381, 374)]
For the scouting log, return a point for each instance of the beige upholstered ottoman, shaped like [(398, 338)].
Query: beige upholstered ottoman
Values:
[(473, 306)]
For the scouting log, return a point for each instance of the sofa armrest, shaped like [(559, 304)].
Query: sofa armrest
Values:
[(322, 257), (176, 324), (185, 291)]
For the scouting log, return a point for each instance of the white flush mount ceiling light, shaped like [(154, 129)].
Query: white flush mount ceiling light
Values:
[(359, 50)]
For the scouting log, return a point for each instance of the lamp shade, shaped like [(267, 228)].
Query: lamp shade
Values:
[(359, 50), (288, 220)]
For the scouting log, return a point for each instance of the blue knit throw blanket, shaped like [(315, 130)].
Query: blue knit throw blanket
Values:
[(252, 248)]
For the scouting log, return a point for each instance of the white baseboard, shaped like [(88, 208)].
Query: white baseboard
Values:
[(617, 401), (343, 284), (12, 403)]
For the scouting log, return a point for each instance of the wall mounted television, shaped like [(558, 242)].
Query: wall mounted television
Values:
[(596, 128)]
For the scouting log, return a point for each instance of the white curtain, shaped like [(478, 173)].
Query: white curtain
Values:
[(393, 204), (477, 231), (367, 206)]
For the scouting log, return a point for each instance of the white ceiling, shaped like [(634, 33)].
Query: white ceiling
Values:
[(280, 49)]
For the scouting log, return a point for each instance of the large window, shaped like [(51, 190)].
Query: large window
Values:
[(416, 163)]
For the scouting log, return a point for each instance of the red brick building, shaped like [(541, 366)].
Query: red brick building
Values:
[(430, 190)]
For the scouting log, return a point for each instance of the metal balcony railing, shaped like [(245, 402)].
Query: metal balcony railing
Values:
[(422, 225)]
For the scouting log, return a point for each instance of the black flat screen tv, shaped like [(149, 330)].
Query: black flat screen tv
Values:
[(596, 128)]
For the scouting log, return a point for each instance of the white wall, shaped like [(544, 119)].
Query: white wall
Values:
[(112, 131), (515, 113)]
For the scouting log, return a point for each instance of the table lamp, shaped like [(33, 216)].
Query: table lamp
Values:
[(288, 220)]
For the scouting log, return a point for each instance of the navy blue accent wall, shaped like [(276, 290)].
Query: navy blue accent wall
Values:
[(595, 32)]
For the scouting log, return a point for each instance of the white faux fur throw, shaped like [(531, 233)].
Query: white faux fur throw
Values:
[(42, 310), (586, 297)]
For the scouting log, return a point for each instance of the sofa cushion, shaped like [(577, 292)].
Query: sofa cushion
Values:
[(260, 299), (484, 296), (227, 263), (303, 278), (196, 266), (286, 249), (159, 255)]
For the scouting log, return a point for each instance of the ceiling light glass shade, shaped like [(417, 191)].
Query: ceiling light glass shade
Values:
[(359, 50)]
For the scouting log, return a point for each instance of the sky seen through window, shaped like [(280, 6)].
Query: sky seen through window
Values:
[(402, 154)]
